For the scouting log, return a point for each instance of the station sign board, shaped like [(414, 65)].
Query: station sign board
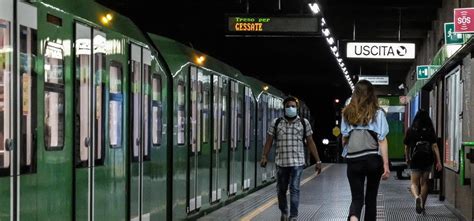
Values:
[(375, 80), (451, 37), (464, 20), (373, 50), (257, 25), (424, 72)]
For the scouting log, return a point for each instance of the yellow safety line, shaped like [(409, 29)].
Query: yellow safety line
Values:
[(274, 200)]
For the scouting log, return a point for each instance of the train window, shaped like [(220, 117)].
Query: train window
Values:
[(204, 86), (224, 94), (181, 113), (5, 71), (157, 110), (83, 94), (136, 89), (217, 85), (247, 116), (194, 93), (239, 113), (146, 106), (28, 93), (54, 97), (99, 50), (115, 105), (233, 116)]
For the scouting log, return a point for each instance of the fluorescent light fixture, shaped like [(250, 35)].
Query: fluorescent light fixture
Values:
[(323, 22), (326, 32), (314, 8), (334, 49), (342, 65), (330, 40), (336, 54), (339, 60)]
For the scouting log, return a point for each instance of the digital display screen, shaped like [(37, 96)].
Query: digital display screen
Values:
[(249, 24)]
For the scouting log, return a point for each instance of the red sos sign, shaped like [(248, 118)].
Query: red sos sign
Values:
[(464, 20)]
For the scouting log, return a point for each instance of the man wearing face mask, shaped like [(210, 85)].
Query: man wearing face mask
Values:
[(289, 134)]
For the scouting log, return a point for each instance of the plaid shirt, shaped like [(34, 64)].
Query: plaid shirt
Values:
[(289, 141)]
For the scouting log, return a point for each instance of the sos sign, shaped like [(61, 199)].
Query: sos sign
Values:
[(464, 20)]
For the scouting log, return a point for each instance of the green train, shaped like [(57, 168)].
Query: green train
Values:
[(101, 121)]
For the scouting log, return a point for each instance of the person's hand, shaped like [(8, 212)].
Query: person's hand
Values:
[(318, 167), (263, 161), (386, 172), (408, 161), (439, 167)]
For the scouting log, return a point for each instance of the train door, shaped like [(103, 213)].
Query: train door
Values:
[(91, 181), (236, 130), (249, 140), (264, 129), (140, 132), (199, 153), (220, 146)]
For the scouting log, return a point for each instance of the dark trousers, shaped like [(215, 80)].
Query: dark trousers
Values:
[(289, 176), (357, 170)]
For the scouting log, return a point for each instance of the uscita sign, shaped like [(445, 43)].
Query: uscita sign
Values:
[(381, 50)]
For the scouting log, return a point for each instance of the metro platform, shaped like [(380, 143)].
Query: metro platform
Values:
[(327, 197)]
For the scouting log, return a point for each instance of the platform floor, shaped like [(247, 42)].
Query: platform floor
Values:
[(327, 197)]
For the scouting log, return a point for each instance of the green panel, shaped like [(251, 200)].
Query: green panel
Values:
[(134, 190), (54, 168), (5, 199), (82, 191)]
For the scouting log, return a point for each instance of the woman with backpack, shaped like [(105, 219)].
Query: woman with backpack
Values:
[(421, 151), (364, 130)]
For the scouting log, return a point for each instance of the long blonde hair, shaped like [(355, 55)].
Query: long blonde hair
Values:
[(363, 106)]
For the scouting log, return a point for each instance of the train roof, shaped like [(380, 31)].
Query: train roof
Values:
[(92, 12), (178, 55)]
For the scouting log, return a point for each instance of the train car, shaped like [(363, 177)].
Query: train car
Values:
[(100, 121), (217, 138), (80, 89)]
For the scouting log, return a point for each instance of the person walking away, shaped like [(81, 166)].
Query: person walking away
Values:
[(421, 151), (289, 133), (364, 130)]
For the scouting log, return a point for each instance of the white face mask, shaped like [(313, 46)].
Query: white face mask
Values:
[(290, 111)]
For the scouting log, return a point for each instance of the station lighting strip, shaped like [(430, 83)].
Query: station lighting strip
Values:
[(332, 44)]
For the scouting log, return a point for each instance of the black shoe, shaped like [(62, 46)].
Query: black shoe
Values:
[(284, 217), (419, 209)]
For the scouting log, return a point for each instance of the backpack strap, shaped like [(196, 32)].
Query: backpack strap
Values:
[(302, 120), (275, 128)]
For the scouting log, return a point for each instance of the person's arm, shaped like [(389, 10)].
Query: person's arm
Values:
[(438, 165), (314, 151), (407, 157), (266, 150), (383, 144)]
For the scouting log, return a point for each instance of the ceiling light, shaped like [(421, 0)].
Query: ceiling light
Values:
[(323, 22), (314, 8), (334, 49), (330, 40), (326, 32)]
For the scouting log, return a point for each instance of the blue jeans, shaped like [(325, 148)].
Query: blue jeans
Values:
[(289, 176)]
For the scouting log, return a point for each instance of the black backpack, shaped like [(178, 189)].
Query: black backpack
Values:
[(421, 154), (302, 120)]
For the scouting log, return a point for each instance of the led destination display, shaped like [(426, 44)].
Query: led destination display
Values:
[(268, 25)]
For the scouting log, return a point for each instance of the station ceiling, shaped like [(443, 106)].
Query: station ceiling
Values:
[(302, 66)]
